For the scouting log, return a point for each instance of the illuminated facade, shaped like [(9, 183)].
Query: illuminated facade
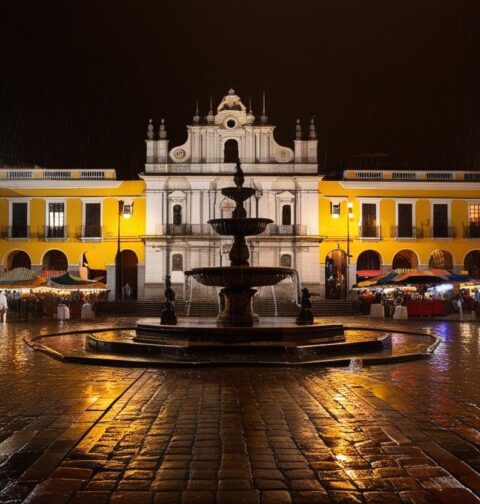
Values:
[(182, 190), (397, 220), (54, 221)]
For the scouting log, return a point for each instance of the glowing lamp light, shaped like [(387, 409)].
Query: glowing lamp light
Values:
[(127, 210)]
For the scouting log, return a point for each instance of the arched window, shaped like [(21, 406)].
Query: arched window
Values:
[(230, 151), (18, 259), (405, 259), (472, 264), (286, 260), (441, 259), (286, 215), (369, 260), (177, 262), (55, 260), (177, 215)]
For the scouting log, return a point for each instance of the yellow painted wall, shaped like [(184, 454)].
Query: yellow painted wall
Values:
[(132, 229), (334, 231)]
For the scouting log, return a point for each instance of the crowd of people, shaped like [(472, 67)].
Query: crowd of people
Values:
[(22, 305), (456, 300)]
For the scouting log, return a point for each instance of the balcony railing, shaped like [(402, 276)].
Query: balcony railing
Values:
[(37, 173), (206, 230), (90, 232), (406, 232), (16, 232), (187, 230), (286, 230), (472, 230), (442, 232), (55, 232), (370, 232)]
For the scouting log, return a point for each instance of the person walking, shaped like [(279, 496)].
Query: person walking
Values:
[(3, 306)]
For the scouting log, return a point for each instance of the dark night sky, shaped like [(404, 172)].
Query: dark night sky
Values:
[(79, 79)]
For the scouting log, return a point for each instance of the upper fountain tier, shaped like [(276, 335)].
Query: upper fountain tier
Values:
[(238, 279)]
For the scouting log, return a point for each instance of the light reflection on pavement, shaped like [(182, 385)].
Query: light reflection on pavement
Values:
[(404, 431)]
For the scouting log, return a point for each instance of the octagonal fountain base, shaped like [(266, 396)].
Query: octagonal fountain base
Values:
[(281, 331)]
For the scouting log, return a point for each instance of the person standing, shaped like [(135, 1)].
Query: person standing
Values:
[(3, 306)]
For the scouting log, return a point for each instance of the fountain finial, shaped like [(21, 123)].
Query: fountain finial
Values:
[(239, 177)]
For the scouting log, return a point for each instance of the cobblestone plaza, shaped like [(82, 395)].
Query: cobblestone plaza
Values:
[(405, 432)]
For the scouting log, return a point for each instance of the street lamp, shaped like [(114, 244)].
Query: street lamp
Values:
[(349, 218), (125, 210)]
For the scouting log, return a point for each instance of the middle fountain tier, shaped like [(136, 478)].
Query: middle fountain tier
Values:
[(239, 279)]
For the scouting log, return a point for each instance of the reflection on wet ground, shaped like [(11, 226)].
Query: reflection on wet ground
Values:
[(406, 432), (76, 345)]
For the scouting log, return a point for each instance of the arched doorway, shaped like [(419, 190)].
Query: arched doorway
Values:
[(369, 264), (472, 264), (18, 259), (405, 259), (335, 274), (129, 274), (54, 263), (230, 151), (441, 259)]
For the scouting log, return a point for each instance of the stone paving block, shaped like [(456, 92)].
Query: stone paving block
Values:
[(137, 485), (161, 485), (270, 484), (454, 495), (306, 484), (299, 474), (167, 498), (197, 497), (238, 497), (131, 498), (310, 497), (344, 497), (418, 497), (234, 484), (207, 485), (381, 498), (276, 497), (86, 497), (99, 486), (72, 473)]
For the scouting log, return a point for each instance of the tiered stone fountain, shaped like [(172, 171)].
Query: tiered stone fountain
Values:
[(236, 326)]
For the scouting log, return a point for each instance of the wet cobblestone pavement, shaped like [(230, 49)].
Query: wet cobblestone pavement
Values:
[(403, 433)]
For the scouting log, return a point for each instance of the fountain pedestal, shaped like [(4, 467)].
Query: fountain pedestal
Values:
[(238, 307)]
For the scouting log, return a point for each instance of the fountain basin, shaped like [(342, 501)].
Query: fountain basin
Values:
[(239, 194), (239, 227), (240, 276)]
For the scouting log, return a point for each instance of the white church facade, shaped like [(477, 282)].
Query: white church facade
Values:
[(182, 191)]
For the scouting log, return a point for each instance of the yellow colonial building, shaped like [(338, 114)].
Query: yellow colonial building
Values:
[(87, 222), (54, 221), (372, 221)]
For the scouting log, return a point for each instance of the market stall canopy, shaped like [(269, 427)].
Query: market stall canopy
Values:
[(69, 279), (72, 282), (368, 273), (414, 276), (17, 275)]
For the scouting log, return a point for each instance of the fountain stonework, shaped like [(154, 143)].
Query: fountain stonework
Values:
[(237, 328)]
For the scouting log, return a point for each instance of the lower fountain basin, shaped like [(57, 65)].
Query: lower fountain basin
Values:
[(240, 276), (239, 227)]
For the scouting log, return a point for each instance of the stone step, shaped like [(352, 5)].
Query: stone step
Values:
[(209, 308)]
